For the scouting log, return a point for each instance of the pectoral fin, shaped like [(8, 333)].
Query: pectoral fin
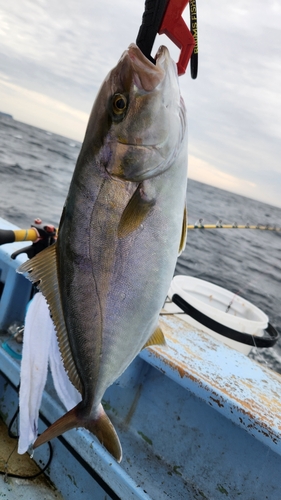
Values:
[(157, 338), (135, 212), (184, 231), (42, 271)]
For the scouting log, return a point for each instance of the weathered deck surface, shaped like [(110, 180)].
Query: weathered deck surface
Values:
[(11, 488), (196, 419)]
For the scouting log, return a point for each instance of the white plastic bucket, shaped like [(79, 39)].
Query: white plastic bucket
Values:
[(221, 305)]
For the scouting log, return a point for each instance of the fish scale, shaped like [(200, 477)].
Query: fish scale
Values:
[(123, 224)]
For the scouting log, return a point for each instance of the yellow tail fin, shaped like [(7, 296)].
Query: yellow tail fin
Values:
[(101, 427)]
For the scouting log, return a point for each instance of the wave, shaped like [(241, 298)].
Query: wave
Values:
[(29, 155), (35, 144), (27, 173), (6, 168), (60, 153), (9, 125), (270, 358), (61, 141), (68, 144)]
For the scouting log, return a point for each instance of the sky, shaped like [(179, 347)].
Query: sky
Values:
[(55, 54)]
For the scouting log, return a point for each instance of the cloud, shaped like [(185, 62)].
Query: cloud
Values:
[(63, 50), (207, 173), (203, 171), (28, 102), (234, 108)]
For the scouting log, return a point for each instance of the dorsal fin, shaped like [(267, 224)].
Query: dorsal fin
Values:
[(183, 231), (42, 271), (157, 338)]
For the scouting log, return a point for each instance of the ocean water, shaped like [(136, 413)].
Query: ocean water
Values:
[(35, 171)]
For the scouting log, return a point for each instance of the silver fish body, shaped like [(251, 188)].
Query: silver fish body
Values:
[(119, 234)]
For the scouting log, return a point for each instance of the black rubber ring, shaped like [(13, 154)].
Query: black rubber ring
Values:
[(244, 338)]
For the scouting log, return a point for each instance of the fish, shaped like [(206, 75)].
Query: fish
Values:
[(122, 227)]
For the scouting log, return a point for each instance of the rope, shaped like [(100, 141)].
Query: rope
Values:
[(6, 472)]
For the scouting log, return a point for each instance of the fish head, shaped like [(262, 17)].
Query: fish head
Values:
[(140, 116)]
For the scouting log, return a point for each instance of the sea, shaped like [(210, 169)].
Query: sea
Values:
[(35, 171)]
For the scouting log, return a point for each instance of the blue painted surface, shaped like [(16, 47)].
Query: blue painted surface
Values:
[(17, 289), (196, 420), (240, 389)]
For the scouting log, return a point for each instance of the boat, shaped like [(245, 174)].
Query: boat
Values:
[(197, 419)]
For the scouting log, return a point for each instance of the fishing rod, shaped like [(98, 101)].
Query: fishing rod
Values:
[(41, 235), (219, 225)]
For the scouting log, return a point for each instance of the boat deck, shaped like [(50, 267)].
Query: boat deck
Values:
[(12, 488), (196, 420)]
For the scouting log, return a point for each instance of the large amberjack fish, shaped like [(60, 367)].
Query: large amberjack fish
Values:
[(123, 223)]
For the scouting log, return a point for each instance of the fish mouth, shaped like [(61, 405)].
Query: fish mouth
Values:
[(147, 76)]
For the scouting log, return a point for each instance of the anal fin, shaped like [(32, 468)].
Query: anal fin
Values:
[(183, 232), (157, 338)]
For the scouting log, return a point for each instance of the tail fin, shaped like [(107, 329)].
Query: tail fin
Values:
[(101, 427)]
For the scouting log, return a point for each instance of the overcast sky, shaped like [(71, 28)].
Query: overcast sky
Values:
[(54, 55)]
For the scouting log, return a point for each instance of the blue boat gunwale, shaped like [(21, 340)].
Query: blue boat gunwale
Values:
[(238, 388)]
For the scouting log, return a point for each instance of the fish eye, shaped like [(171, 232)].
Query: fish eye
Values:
[(119, 104)]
